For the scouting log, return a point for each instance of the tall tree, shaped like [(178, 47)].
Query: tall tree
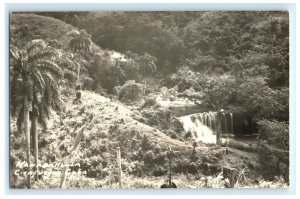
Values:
[(80, 43), (35, 73)]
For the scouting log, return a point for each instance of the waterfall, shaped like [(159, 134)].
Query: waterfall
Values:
[(231, 123), (204, 127), (224, 124)]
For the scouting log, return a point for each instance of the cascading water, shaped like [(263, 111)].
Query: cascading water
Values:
[(231, 123), (206, 127)]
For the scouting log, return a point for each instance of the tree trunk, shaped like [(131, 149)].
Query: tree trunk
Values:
[(119, 166), (34, 134), (170, 168), (27, 135), (78, 73)]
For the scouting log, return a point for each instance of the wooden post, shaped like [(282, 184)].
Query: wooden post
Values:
[(70, 158), (232, 175), (119, 166), (170, 168)]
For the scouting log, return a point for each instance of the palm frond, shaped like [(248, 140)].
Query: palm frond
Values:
[(53, 85), (50, 79), (73, 33), (14, 52), (58, 105), (51, 90), (68, 55), (49, 66), (47, 98), (35, 46), (46, 53), (39, 80), (81, 42), (69, 75), (66, 63), (23, 55)]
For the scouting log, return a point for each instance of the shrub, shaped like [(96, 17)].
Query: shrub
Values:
[(105, 72), (279, 182), (157, 117), (149, 102), (273, 146), (88, 83), (160, 171), (134, 168), (131, 69), (148, 158), (146, 144), (110, 72), (130, 91), (274, 133), (257, 97), (160, 159)]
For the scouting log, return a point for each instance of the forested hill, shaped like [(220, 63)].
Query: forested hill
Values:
[(251, 46), (213, 42)]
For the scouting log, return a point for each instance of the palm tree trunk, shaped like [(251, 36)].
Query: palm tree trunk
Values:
[(27, 134), (170, 172), (78, 73), (35, 141)]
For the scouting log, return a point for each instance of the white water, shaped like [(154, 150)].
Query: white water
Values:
[(203, 126)]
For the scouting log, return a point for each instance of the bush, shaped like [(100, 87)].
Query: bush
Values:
[(274, 133), (131, 70), (157, 117), (88, 83), (130, 91), (160, 171), (160, 159), (146, 144), (109, 72), (258, 98), (148, 158), (105, 72), (214, 91), (273, 146), (149, 102)]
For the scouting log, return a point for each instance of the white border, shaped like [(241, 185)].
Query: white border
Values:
[(4, 94)]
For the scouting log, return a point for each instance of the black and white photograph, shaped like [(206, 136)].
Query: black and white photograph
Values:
[(149, 99)]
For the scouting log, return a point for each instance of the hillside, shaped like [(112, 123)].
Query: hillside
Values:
[(114, 125), (38, 27)]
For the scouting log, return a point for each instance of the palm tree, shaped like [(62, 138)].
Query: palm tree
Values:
[(147, 68), (147, 65), (80, 42), (34, 71), (72, 18)]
